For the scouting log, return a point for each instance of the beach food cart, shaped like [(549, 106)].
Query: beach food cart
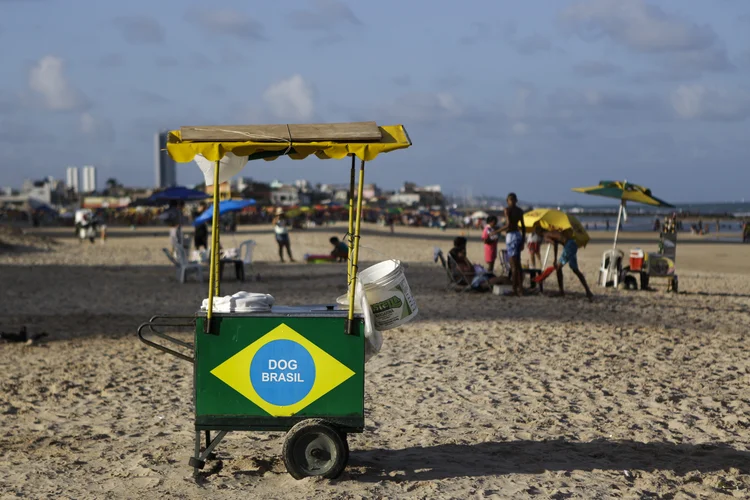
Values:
[(659, 264), (263, 367)]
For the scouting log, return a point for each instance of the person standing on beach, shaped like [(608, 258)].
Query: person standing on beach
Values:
[(281, 228), (514, 229), (490, 236), (569, 257)]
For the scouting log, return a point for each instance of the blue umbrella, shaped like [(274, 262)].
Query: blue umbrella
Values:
[(178, 193), (224, 207)]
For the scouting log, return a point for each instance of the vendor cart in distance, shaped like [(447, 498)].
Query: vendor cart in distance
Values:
[(647, 265), (293, 369)]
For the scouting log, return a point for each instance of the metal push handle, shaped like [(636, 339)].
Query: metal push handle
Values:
[(173, 322)]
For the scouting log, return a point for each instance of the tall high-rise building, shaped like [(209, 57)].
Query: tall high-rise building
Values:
[(71, 179), (88, 179), (164, 166)]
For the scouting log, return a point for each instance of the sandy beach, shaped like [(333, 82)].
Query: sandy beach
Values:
[(639, 394)]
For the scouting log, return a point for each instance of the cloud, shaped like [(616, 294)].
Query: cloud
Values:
[(325, 15), (228, 22), (524, 45), (698, 102), (636, 24), (140, 29), (47, 79), (594, 69), (97, 129), (291, 99), (685, 48)]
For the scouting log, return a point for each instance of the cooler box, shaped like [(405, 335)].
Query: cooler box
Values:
[(636, 259)]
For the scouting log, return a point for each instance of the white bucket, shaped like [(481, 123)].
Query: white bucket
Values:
[(388, 294)]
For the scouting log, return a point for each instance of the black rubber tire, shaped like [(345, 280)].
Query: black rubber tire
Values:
[(630, 283), (315, 436), (675, 285)]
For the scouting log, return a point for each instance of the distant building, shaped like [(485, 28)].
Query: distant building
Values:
[(165, 167), (49, 191), (259, 191), (71, 178), (412, 195), (88, 178), (370, 191), (287, 196)]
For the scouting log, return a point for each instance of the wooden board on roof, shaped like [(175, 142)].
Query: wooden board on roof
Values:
[(312, 132)]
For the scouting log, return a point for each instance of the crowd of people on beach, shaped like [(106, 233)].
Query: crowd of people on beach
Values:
[(483, 278)]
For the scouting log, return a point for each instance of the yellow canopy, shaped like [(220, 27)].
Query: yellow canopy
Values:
[(394, 137), (550, 219)]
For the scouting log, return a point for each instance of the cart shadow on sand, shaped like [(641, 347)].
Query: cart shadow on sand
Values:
[(446, 461)]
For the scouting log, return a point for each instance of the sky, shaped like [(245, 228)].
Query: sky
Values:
[(497, 95)]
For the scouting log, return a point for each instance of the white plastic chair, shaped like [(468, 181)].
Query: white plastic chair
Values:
[(182, 264), (611, 268), (246, 255)]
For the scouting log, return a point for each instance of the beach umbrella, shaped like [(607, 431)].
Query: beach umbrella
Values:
[(550, 219), (479, 215), (177, 193), (225, 206), (623, 191)]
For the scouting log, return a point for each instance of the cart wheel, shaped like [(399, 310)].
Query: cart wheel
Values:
[(630, 283), (315, 448), (675, 287)]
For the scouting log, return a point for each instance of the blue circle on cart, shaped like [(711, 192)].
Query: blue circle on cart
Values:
[(282, 372)]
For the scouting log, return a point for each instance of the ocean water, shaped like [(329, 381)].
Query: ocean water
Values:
[(641, 217)]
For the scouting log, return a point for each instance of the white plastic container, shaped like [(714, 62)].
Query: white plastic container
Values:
[(388, 295)]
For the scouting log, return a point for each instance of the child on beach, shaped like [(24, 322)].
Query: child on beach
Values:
[(569, 257), (490, 235), (534, 243), (514, 240), (340, 249)]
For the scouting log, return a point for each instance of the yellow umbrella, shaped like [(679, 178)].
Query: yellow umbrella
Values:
[(550, 219)]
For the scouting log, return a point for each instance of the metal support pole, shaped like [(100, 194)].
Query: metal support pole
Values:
[(213, 287), (617, 228), (355, 250), (349, 235)]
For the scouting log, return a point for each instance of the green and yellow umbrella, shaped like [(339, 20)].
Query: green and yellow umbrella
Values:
[(550, 219), (623, 191)]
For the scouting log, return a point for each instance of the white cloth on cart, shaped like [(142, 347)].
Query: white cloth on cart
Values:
[(241, 302)]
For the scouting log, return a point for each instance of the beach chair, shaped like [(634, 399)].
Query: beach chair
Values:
[(611, 268), (455, 277), (246, 255), (183, 265)]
